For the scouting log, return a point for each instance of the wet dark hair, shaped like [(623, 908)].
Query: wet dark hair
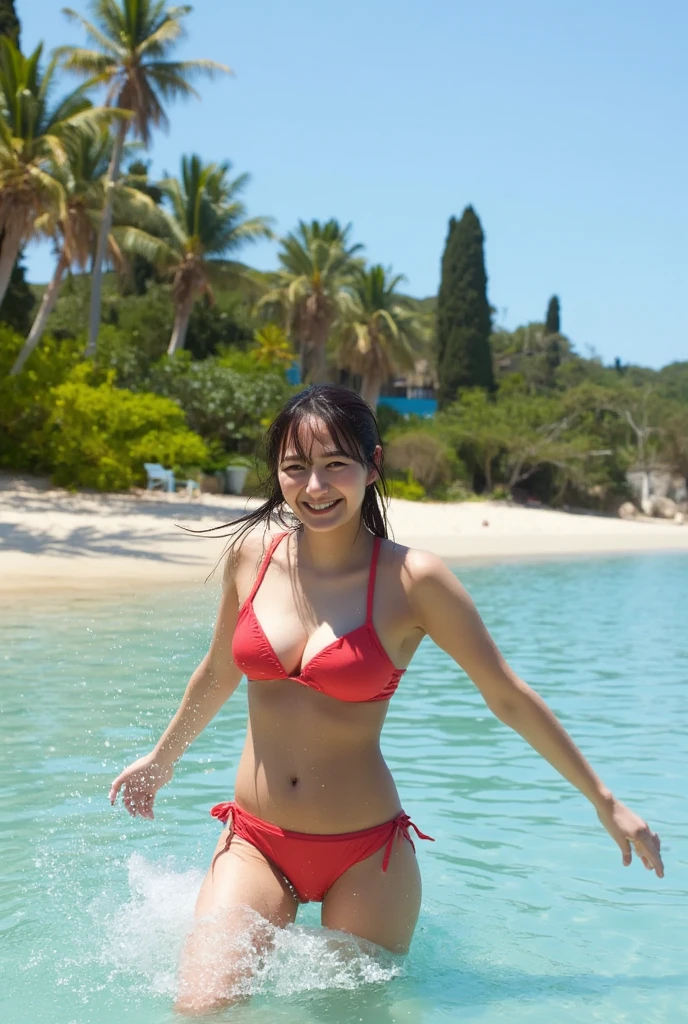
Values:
[(353, 428)]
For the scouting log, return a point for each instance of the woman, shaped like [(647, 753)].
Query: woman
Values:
[(323, 618)]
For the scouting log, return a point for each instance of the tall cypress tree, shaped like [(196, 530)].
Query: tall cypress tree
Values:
[(464, 320), (9, 22), (553, 318)]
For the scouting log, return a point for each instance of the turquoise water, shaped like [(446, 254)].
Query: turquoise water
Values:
[(527, 912)]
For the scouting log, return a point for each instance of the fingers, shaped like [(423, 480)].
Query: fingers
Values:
[(136, 801), (647, 846), (115, 787)]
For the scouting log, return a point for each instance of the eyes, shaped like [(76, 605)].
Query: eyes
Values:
[(296, 467)]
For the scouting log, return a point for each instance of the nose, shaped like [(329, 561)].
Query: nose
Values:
[(317, 486)]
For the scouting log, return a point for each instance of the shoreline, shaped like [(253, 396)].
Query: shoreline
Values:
[(56, 541)]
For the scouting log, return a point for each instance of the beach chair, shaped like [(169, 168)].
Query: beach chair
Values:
[(158, 476)]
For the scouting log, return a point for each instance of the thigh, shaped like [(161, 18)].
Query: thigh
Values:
[(242, 899), (380, 906), (243, 876)]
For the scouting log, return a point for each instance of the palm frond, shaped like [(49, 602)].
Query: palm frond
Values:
[(170, 84), (192, 68), (138, 242), (94, 32), (133, 37), (161, 39), (86, 62)]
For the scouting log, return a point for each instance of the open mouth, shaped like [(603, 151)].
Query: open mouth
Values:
[(321, 508)]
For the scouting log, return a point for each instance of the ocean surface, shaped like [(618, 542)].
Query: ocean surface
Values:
[(528, 914)]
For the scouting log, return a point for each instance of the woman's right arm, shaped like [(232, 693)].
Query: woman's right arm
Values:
[(211, 684)]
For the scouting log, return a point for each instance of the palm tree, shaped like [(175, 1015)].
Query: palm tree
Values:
[(74, 227), (317, 263), (134, 38), (377, 333), (33, 139), (207, 220)]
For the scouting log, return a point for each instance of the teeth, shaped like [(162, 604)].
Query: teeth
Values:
[(318, 508)]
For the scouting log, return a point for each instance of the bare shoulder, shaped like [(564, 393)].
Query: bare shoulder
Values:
[(425, 580), (247, 551), (416, 565), (433, 591)]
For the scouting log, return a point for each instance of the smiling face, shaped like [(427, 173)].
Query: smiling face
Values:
[(323, 485)]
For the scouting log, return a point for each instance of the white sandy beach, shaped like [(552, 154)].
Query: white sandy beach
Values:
[(51, 539)]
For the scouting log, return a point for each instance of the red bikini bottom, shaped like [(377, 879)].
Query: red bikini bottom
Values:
[(312, 863)]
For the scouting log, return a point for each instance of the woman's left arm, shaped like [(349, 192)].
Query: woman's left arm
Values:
[(447, 614)]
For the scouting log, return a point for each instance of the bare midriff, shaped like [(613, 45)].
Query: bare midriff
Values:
[(312, 763)]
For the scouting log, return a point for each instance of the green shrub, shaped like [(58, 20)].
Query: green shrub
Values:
[(69, 318), (408, 489), (419, 452), (458, 490), (222, 403), (99, 437), (124, 354), (388, 419), (25, 400)]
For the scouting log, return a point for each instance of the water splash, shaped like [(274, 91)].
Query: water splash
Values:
[(144, 938)]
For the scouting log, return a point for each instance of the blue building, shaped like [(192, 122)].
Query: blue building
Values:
[(414, 394)]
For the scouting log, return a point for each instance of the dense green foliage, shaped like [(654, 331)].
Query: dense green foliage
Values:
[(464, 318), (424, 455), (568, 444), (64, 417), (229, 400), (137, 328), (101, 435)]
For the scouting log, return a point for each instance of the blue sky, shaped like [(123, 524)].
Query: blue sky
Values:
[(563, 124)]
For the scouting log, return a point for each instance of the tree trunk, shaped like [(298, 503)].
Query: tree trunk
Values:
[(46, 307), (181, 325), (318, 336), (104, 234), (487, 470), (645, 496), (370, 389), (318, 371), (11, 244), (304, 361)]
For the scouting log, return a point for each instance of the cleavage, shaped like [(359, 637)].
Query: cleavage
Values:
[(287, 631)]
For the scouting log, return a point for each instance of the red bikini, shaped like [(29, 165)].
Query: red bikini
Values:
[(353, 668), (312, 863)]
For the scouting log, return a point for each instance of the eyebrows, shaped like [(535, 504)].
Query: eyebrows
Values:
[(329, 454)]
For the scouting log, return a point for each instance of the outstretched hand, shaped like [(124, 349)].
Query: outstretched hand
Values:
[(629, 831), (141, 781)]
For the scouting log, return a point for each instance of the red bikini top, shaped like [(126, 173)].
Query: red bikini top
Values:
[(354, 667)]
